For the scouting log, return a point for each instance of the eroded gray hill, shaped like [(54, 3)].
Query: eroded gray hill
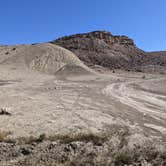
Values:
[(46, 58)]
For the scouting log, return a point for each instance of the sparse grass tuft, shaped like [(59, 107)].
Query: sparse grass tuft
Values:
[(143, 77), (4, 136)]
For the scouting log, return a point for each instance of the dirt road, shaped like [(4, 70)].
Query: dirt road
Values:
[(147, 96)]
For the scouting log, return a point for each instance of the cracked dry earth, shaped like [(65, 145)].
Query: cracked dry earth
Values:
[(41, 103)]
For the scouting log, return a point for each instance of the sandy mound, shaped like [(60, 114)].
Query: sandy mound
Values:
[(47, 58), (74, 70)]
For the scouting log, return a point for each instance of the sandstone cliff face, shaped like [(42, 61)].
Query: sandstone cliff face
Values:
[(109, 38), (113, 52)]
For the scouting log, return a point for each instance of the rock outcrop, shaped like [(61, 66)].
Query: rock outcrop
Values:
[(102, 35), (113, 52)]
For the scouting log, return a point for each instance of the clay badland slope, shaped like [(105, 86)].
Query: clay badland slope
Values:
[(47, 58)]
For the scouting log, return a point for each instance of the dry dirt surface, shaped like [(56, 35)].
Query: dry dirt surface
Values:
[(35, 100), (40, 103)]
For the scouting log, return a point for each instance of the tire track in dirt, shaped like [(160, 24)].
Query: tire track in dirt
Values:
[(146, 102)]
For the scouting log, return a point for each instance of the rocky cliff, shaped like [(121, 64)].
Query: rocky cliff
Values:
[(113, 52), (102, 35)]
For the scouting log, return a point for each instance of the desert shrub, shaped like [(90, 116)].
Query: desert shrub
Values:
[(123, 158), (31, 139), (81, 137), (143, 77)]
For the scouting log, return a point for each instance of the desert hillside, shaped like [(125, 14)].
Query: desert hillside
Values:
[(88, 99), (46, 58), (113, 52)]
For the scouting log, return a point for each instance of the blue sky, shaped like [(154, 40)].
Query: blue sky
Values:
[(31, 21)]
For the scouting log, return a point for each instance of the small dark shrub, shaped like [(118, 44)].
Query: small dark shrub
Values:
[(123, 158)]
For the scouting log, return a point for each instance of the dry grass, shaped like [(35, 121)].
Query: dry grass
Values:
[(96, 139), (81, 137), (108, 148)]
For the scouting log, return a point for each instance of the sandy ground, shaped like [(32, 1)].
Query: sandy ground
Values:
[(41, 103)]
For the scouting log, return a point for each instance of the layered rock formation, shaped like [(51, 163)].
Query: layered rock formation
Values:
[(102, 35), (114, 52)]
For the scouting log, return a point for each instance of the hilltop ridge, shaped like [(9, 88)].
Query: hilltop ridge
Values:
[(110, 51)]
